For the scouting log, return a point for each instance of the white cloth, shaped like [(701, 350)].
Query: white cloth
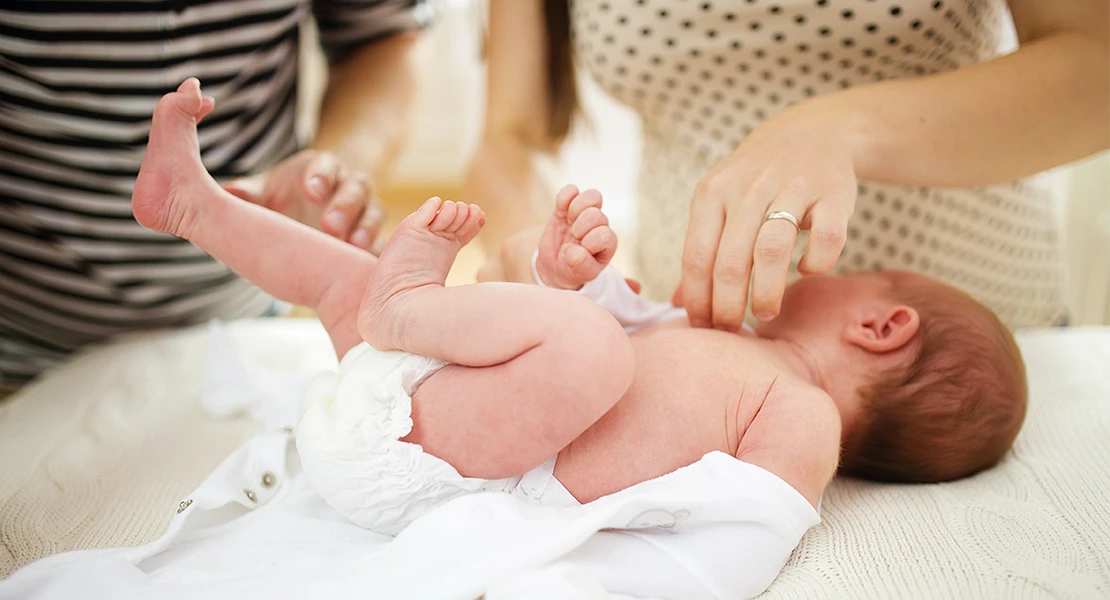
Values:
[(349, 442), (719, 528), (610, 290), (634, 312)]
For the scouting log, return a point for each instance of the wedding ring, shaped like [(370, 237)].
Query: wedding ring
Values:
[(785, 216)]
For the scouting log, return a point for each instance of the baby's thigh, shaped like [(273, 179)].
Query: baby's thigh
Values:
[(467, 417), (502, 421)]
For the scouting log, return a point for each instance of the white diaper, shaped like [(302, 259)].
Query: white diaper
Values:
[(348, 438)]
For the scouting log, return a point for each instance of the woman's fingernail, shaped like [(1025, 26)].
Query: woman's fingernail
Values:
[(317, 187), (361, 239), (764, 315), (337, 221)]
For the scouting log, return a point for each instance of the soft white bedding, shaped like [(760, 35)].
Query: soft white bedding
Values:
[(100, 453)]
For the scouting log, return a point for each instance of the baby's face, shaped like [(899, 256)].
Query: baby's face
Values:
[(820, 304), (827, 304)]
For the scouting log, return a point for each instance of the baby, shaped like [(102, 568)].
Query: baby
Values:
[(890, 376)]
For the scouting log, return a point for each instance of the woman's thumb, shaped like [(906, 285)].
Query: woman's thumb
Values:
[(247, 188), (676, 298), (320, 177)]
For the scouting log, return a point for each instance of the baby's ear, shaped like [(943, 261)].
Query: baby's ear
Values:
[(884, 328)]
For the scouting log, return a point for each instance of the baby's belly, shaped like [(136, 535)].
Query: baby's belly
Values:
[(682, 404)]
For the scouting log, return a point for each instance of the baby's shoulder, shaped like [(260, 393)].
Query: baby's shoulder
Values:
[(795, 434)]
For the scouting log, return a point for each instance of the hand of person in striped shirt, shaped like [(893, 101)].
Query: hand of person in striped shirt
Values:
[(317, 189)]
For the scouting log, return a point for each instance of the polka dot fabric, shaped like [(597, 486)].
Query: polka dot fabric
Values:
[(703, 74)]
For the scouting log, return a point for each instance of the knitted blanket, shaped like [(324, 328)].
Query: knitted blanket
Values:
[(98, 454)]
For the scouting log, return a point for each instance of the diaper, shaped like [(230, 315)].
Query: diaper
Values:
[(349, 441)]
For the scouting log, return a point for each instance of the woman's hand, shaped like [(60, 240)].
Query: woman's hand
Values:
[(313, 187), (800, 162), (513, 263)]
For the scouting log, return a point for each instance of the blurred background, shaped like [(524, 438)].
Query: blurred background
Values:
[(603, 152)]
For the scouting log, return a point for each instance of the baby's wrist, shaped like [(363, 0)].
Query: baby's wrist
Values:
[(547, 282)]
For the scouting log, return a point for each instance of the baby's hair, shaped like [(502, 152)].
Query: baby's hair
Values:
[(956, 409)]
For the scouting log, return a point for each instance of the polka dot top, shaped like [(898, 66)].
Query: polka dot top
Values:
[(703, 74)]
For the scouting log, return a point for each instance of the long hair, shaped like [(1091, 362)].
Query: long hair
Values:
[(561, 83)]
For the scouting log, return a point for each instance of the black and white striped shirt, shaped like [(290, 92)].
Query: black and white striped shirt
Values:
[(78, 83)]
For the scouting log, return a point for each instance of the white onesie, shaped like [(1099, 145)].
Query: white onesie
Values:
[(351, 425)]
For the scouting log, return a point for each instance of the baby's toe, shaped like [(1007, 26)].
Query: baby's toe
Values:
[(475, 219), (187, 98), (445, 217), (427, 211), (462, 212)]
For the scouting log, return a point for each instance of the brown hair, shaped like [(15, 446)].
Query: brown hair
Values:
[(958, 407), (561, 84)]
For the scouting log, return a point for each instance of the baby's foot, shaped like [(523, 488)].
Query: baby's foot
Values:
[(577, 243), (419, 254), (172, 179)]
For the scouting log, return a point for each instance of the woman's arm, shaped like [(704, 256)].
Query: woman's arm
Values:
[(1040, 107), (1043, 106), (365, 114), (363, 123), (501, 177)]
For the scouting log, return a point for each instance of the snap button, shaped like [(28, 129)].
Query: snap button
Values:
[(287, 429), (268, 479), (250, 495), (184, 504)]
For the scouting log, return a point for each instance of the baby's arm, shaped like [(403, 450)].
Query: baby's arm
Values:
[(574, 254), (795, 434)]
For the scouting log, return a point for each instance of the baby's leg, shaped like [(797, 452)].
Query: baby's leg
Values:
[(293, 262), (533, 367)]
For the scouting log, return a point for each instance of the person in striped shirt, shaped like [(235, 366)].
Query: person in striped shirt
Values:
[(78, 83)]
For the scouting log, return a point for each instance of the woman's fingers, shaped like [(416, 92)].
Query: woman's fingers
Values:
[(733, 268), (366, 234), (828, 230), (703, 236), (321, 176), (774, 248), (346, 205)]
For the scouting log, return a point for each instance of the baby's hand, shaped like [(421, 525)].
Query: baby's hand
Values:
[(577, 243)]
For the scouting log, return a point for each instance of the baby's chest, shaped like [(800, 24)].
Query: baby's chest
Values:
[(696, 387), (690, 396)]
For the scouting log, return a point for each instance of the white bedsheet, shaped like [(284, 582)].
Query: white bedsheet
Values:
[(99, 454)]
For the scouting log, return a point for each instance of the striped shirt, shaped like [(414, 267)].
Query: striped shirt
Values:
[(78, 83)]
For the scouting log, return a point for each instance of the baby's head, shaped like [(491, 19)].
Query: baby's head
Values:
[(929, 383)]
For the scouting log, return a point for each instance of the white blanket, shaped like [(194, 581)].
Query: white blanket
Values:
[(100, 453)]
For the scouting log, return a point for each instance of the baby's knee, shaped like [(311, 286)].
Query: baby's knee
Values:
[(605, 358)]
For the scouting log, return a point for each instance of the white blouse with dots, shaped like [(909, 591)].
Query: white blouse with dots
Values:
[(702, 74)]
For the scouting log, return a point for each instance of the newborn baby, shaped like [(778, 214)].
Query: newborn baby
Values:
[(891, 376)]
